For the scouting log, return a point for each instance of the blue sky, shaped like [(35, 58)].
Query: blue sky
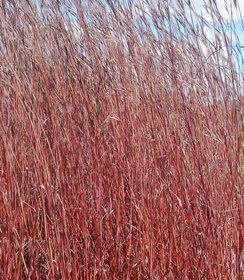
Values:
[(231, 16), (226, 9), (230, 13)]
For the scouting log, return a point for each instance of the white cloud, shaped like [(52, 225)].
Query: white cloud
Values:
[(226, 8)]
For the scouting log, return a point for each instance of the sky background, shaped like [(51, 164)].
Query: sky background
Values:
[(230, 12), (226, 8)]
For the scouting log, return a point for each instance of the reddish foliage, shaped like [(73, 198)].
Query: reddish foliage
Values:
[(121, 138)]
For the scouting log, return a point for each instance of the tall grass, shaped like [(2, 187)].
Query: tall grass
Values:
[(121, 138)]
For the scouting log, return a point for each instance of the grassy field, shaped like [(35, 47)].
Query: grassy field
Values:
[(121, 142)]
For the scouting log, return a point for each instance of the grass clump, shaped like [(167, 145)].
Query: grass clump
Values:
[(120, 138)]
